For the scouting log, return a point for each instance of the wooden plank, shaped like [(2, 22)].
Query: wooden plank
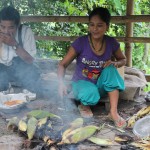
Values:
[(84, 19), (72, 38)]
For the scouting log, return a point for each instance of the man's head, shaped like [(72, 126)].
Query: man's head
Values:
[(9, 20), (10, 14)]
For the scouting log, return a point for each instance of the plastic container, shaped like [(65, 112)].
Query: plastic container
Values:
[(142, 127)]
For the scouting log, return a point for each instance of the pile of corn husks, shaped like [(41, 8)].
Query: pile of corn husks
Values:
[(39, 124)]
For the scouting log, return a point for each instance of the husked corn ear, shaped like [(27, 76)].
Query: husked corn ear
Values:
[(22, 125), (101, 142)]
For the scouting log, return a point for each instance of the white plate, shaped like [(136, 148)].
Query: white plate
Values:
[(142, 127)]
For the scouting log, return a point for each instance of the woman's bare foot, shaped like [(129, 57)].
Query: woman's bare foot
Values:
[(85, 111), (118, 120)]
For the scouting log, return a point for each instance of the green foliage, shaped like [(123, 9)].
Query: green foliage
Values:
[(147, 88), (52, 49)]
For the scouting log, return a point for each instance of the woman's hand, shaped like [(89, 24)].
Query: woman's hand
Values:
[(62, 90), (109, 62)]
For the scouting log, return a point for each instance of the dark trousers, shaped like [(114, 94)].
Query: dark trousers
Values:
[(26, 75)]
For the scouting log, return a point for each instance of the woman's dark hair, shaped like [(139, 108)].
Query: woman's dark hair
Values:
[(11, 14), (103, 13)]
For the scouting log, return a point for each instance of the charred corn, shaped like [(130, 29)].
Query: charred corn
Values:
[(132, 121), (144, 111)]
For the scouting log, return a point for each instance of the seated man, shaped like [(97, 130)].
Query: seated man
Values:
[(16, 59)]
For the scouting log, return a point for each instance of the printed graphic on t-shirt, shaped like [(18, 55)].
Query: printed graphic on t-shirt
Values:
[(94, 74), (96, 66)]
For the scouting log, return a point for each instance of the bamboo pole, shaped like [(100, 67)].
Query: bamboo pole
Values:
[(129, 33)]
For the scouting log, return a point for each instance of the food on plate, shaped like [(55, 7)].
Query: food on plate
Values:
[(13, 102)]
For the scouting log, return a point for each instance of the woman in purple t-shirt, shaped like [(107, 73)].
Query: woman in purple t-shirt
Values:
[(95, 73)]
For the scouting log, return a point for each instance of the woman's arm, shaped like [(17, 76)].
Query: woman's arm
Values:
[(120, 60), (70, 56)]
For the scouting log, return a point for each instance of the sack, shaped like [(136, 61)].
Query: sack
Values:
[(135, 81)]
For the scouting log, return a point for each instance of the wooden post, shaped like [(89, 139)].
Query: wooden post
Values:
[(129, 33)]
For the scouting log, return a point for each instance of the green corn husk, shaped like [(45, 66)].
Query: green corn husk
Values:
[(39, 114), (77, 123), (101, 142), (31, 127), (83, 134), (13, 122), (79, 134), (22, 125), (41, 122), (73, 125)]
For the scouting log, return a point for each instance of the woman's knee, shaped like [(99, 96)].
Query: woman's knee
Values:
[(89, 95), (110, 68)]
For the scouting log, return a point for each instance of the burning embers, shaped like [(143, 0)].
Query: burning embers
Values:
[(38, 125)]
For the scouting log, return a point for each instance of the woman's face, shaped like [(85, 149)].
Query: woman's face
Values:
[(97, 27)]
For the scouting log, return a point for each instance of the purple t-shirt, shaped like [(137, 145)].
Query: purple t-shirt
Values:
[(88, 64)]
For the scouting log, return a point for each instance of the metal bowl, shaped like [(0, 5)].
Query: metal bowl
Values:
[(142, 127)]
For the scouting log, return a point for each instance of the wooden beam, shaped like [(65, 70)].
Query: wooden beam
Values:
[(133, 39), (72, 38), (129, 33), (84, 19)]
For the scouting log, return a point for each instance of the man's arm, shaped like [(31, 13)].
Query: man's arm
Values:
[(23, 54), (20, 51)]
